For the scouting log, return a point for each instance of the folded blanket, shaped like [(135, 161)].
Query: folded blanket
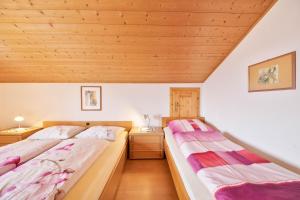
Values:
[(17, 153)]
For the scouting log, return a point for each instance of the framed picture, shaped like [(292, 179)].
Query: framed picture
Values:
[(278, 73), (91, 98)]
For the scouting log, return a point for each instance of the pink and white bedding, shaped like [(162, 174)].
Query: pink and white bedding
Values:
[(52, 173), (232, 172), (17, 153), (189, 125)]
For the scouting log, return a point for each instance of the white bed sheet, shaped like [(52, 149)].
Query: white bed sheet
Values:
[(194, 187)]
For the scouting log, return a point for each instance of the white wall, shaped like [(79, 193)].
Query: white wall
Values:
[(39, 102), (270, 120)]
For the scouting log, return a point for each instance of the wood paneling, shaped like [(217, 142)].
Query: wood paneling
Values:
[(120, 41), (119, 30), (244, 6), (126, 18)]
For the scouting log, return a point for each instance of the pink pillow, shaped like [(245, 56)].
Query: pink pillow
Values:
[(189, 125)]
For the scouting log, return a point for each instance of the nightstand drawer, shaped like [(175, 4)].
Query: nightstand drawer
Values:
[(144, 139), (135, 146), (146, 154), (146, 145)]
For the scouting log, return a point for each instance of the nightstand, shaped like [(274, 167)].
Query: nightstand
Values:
[(16, 134), (146, 145)]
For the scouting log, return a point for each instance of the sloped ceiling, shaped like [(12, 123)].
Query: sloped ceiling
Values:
[(120, 41)]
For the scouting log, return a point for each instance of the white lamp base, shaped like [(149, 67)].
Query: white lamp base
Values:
[(146, 129)]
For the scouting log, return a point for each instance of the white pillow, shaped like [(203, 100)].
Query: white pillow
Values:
[(57, 132), (101, 132)]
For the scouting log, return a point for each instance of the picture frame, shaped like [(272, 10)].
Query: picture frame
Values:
[(278, 73), (91, 98)]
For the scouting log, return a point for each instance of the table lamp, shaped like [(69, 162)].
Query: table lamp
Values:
[(19, 119), (147, 119)]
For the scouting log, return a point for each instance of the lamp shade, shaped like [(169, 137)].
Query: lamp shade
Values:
[(19, 119)]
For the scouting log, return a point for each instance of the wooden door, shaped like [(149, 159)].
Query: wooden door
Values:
[(184, 102)]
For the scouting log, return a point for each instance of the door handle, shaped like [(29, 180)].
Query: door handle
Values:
[(176, 106)]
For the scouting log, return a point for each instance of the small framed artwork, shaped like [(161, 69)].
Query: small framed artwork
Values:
[(91, 98), (278, 73)]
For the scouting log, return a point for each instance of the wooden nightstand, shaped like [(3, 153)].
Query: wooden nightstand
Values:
[(146, 145), (15, 134)]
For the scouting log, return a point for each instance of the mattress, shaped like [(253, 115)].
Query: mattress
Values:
[(193, 185)]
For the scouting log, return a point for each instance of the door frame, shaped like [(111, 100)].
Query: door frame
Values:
[(196, 89)]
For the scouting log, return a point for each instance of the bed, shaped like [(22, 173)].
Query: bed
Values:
[(188, 186), (99, 180)]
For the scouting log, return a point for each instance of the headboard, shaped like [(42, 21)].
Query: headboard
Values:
[(126, 124), (166, 120)]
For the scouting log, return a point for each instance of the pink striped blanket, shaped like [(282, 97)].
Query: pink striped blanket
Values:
[(17, 153), (51, 174), (230, 171)]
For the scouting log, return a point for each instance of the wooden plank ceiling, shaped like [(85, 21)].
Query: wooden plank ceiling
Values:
[(120, 41)]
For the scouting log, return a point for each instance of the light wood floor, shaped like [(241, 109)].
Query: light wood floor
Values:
[(146, 180)]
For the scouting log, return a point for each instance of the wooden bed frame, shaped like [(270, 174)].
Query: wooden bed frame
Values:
[(178, 182), (126, 124), (111, 186)]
